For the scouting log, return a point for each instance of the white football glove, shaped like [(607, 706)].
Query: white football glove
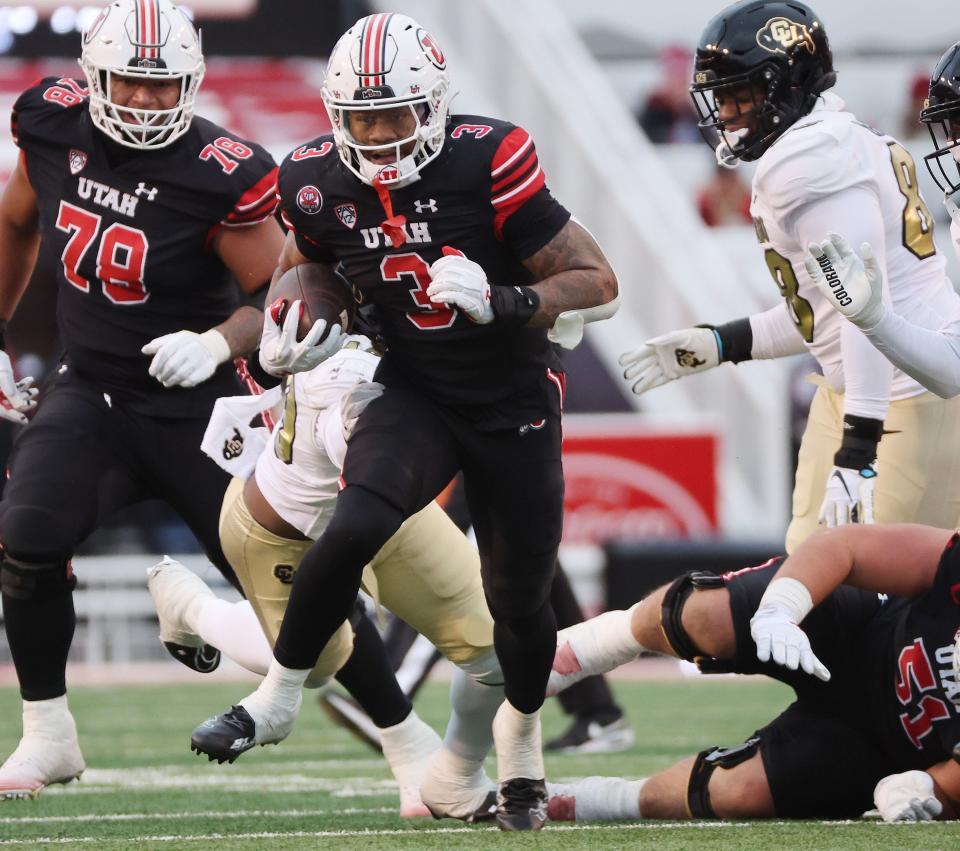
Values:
[(185, 358), (670, 356), (16, 397), (907, 797), (777, 637), (848, 497), (281, 354), (354, 402), (852, 284), (459, 282)]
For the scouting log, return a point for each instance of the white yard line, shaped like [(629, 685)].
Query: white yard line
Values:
[(345, 834)]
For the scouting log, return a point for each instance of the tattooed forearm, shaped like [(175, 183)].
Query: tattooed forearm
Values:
[(242, 331), (570, 273)]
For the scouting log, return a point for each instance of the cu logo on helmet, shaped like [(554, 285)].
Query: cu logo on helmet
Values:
[(431, 49), (309, 200), (781, 34)]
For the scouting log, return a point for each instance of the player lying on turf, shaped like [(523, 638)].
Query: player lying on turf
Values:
[(428, 574), (874, 668)]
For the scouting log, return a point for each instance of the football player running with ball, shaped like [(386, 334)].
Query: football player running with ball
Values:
[(445, 224), (762, 75), (151, 211)]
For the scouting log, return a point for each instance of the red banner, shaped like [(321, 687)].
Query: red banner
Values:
[(629, 479)]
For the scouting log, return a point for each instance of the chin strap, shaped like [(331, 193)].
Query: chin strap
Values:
[(392, 226)]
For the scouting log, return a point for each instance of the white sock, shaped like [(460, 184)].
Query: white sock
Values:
[(234, 630), (279, 691), (601, 798), (595, 646), (49, 718), (473, 706), (407, 746), (519, 747)]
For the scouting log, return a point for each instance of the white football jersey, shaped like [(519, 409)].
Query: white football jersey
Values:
[(829, 157), (299, 470)]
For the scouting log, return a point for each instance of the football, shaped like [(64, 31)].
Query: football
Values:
[(323, 293)]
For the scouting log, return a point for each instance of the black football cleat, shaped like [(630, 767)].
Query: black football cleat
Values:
[(224, 737), (522, 804), (203, 659)]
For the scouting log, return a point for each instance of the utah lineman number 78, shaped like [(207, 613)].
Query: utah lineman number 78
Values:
[(121, 257)]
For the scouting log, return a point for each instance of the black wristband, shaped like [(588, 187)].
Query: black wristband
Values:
[(513, 305), (858, 448), (3, 335), (734, 339), (258, 373)]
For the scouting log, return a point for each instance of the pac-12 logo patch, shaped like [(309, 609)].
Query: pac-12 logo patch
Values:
[(347, 214), (310, 200), (77, 161)]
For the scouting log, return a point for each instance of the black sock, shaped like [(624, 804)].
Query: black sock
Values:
[(39, 633), (328, 578), (368, 676)]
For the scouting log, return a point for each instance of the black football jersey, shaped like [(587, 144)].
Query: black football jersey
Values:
[(484, 195), (907, 679), (133, 231)]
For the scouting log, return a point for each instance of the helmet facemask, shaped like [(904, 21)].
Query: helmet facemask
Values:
[(141, 128), (944, 163), (409, 154), (768, 117)]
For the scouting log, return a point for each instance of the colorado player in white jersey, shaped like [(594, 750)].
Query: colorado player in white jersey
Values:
[(926, 347), (762, 73), (428, 574)]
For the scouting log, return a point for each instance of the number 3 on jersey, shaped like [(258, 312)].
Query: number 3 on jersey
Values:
[(414, 269), (121, 257)]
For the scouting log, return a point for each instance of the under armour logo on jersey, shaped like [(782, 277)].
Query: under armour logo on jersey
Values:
[(431, 205), (142, 189)]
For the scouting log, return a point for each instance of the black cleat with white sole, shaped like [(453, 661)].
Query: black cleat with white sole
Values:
[(224, 737), (522, 804), (203, 659)]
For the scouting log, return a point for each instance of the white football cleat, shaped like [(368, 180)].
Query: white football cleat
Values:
[(176, 592), (43, 757), (408, 748), (455, 788)]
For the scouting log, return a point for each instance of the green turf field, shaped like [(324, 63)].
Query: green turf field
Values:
[(144, 790)]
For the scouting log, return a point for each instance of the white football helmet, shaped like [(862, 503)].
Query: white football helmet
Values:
[(384, 61), (148, 39)]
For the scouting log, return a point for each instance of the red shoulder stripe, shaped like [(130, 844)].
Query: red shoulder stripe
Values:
[(258, 202), (516, 176)]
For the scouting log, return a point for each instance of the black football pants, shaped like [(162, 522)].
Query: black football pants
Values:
[(403, 453)]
